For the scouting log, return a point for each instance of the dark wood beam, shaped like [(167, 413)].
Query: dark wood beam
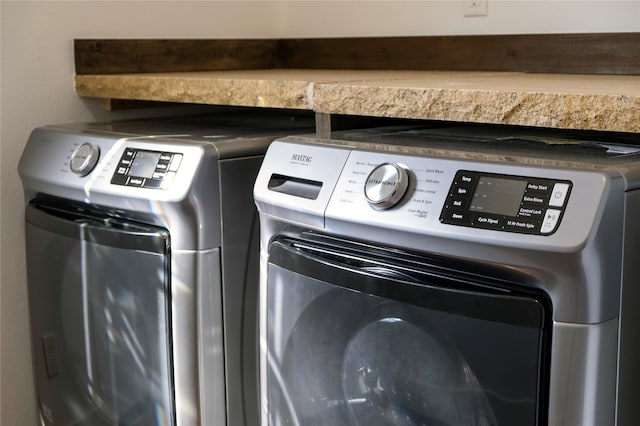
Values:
[(591, 53)]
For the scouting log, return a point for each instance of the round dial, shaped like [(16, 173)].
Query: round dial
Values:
[(84, 159), (386, 185)]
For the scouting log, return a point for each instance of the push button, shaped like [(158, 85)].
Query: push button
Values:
[(136, 181), (465, 178), (522, 225), (531, 211), (559, 194), (534, 200), (551, 218), (458, 202), (462, 191), (535, 186), (489, 221), (456, 217), (175, 162)]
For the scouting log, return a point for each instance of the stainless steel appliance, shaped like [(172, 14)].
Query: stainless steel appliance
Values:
[(142, 268), (459, 276)]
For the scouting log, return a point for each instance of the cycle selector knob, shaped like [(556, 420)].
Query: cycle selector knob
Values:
[(386, 185), (84, 159)]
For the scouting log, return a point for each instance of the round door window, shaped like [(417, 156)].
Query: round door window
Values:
[(354, 359), (397, 370)]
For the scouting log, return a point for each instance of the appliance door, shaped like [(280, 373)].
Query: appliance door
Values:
[(362, 335), (99, 310)]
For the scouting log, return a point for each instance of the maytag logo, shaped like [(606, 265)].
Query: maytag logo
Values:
[(301, 158)]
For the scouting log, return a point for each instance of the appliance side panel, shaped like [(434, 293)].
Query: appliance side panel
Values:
[(211, 375), (240, 270), (195, 293), (583, 372), (629, 367)]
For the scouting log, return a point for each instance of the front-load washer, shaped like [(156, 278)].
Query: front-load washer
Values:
[(457, 276), (142, 244)]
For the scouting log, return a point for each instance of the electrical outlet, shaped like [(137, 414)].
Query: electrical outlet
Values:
[(475, 7)]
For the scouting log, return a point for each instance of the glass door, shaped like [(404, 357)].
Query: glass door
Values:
[(99, 310), (362, 335)]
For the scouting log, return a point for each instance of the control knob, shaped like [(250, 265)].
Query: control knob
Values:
[(386, 185), (84, 159)]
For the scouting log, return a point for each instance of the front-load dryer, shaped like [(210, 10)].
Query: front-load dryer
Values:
[(458, 276), (141, 241)]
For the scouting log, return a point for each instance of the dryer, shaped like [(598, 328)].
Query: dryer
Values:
[(141, 241), (450, 275)]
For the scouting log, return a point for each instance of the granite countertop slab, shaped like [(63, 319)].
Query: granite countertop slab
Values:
[(589, 102)]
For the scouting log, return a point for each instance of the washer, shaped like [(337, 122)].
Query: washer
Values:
[(450, 275), (142, 247)]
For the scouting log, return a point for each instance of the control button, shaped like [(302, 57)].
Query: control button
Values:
[(161, 167), (462, 190), (175, 162), (551, 218), (522, 225), (456, 217), (559, 194), (465, 178), (531, 211), (386, 185), (84, 159), (168, 179), (458, 202), (534, 200), (538, 186), (136, 181), (489, 221)]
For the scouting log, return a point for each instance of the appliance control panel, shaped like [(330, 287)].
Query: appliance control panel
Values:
[(346, 189), (146, 169), (448, 195), (505, 202)]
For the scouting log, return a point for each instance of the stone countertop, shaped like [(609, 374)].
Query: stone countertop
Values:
[(588, 102)]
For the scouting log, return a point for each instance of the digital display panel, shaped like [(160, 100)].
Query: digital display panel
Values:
[(144, 164), (498, 196)]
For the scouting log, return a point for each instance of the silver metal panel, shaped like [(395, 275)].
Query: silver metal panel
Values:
[(584, 361), (571, 264), (310, 162), (44, 169), (198, 338), (588, 266)]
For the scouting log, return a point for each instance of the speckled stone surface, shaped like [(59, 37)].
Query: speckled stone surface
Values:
[(595, 102), (219, 88), (610, 103)]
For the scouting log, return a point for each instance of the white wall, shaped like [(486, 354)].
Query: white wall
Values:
[(36, 87), (446, 17)]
